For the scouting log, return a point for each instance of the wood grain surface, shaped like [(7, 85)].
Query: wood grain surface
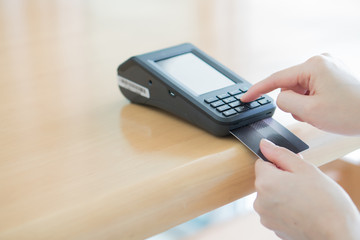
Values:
[(78, 161)]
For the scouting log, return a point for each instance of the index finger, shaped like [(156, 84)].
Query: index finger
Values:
[(264, 168), (289, 78), (266, 173)]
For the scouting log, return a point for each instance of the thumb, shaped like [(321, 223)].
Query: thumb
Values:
[(281, 157), (292, 102)]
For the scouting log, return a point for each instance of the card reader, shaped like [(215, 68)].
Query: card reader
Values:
[(188, 83)]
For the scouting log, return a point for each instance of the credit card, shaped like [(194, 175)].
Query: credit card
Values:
[(273, 131)]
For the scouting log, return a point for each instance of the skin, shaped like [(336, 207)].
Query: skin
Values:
[(297, 201), (294, 198), (320, 92)]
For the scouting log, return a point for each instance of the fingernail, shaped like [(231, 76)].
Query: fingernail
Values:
[(242, 97), (267, 144)]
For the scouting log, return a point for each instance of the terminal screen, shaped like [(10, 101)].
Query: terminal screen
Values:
[(194, 74)]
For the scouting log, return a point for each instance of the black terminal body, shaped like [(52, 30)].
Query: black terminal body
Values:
[(188, 83)]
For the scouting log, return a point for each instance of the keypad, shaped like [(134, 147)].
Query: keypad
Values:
[(222, 96), (223, 108), (235, 104), (244, 89), (236, 92), (229, 103), (212, 99), (217, 104), (229, 113), (263, 101), (229, 100), (241, 109), (253, 104)]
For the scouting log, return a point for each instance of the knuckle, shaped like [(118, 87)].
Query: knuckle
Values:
[(258, 163), (263, 186), (259, 208), (267, 223), (256, 205), (282, 101), (279, 99), (281, 235), (326, 54), (260, 185), (317, 60), (321, 62)]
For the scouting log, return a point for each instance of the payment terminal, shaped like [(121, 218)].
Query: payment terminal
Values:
[(186, 82)]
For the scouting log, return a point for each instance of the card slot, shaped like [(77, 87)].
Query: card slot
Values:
[(270, 129)]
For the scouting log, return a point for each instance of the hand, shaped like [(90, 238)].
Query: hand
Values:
[(298, 201), (319, 92)]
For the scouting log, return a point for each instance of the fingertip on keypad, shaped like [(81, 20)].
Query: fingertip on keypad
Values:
[(229, 103)]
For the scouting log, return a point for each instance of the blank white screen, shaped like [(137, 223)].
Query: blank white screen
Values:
[(194, 74)]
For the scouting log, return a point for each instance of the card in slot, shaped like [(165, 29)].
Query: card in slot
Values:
[(273, 131)]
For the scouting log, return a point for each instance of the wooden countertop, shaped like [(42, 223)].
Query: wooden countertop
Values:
[(78, 161)]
